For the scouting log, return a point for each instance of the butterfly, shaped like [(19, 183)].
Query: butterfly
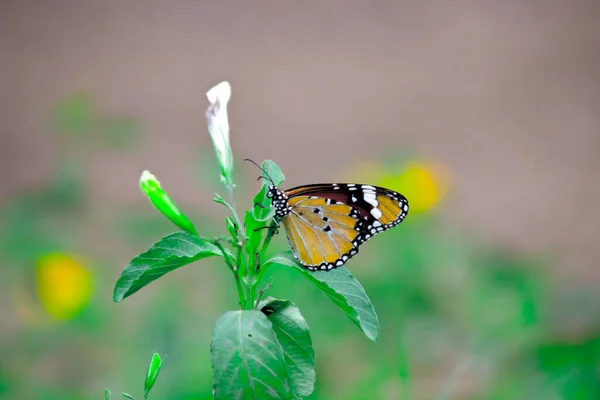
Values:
[(327, 222)]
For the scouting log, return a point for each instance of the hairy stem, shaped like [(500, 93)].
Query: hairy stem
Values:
[(272, 229), (247, 301), (236, 217), (236, 274)]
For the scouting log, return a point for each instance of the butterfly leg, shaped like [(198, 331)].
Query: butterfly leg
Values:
[(273, 229)]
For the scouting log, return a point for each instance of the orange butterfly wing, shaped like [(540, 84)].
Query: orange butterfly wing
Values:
[(327, 223)]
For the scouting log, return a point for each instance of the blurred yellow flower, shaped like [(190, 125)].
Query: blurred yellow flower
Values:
[(424, 184), (64, 285)]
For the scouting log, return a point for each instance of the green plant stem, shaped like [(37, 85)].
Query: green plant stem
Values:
[(252, 280), (250, 304), (261, 292), (240, 230), (267, 241), (265, 245), (217, 243), (240, 291), (235, 270), (231, 206), (247, 300), (253, 272)]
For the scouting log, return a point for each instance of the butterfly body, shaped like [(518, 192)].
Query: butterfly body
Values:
[(326, 223)]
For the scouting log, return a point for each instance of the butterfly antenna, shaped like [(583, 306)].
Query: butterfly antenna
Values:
[(265, 176)]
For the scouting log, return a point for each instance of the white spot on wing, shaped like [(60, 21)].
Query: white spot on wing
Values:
[(376, 212), (371, 199)]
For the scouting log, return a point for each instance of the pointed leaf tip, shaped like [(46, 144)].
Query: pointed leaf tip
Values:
[(342, 288), (169, 253), (152, 373)]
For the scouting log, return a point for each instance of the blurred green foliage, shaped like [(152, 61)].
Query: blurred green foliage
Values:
[(459, 319)]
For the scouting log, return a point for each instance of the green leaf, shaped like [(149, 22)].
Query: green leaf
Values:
[(247, 360), (107, 394), (293, 335), (128, 396), (256, 219), (273, 172), (232, 228), (152, 373), (169, 253), (271, 175), (262, 210), (254, 234), (342, 288)]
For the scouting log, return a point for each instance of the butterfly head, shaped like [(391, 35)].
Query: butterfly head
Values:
[(279, 200)]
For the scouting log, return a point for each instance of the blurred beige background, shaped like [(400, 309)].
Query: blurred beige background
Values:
[(505, 93)]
